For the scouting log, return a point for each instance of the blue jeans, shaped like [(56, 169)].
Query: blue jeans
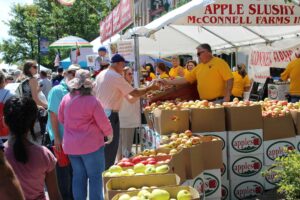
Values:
[(88, 167), (64, 179)]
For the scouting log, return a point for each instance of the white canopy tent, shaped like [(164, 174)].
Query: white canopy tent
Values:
[(171, 35)]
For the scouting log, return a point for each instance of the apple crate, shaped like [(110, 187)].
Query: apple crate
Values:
[(212, 183), (269, 180), (245, 189), (275, 148), (245, 142), (172, 190), (245, 167)]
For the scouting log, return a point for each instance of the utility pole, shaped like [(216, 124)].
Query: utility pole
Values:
[(39, 44)]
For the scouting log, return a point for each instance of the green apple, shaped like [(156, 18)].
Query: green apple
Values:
[(150, 169), (115, 168), (124, 197), (107, 174), (139, 168), (130, 172), (124, 173), (135, 198), (162, 169), (159, 194), (115, 174), (131, 188), (144, 194), (184, 195)]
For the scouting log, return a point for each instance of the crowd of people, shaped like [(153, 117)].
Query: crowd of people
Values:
[(91, 119)]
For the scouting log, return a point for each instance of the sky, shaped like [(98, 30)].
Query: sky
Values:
[(5, 6)]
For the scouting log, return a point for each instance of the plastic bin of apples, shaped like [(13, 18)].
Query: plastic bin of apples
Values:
[(156, 162), (270, 108)]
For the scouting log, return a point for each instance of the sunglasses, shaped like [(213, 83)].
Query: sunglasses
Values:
[(200, 52)]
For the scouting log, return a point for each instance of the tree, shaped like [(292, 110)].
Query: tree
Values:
[(56, 21)]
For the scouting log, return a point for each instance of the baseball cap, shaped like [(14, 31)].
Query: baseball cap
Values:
[(118, 58), (102, 49), (73, 67)]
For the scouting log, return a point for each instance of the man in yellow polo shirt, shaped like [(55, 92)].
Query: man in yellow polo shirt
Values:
[(176, 70), (292, 72), (213, 76)]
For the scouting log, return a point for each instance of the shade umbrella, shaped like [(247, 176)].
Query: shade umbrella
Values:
[(70, 42)]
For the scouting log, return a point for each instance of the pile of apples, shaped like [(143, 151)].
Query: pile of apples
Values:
[(130, 162), (275, 108), (180, 141), (182, 105), (138, 169), (237, 103), (157, 194)]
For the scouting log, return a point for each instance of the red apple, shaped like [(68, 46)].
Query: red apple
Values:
[(137, 159)]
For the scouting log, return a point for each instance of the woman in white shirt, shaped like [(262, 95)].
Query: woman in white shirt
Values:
[(130, 119)]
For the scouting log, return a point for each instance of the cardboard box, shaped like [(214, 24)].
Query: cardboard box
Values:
[(298, 142), (212, 183), (225, 189), (173, 190), (212, 154), (149, 118), (243, 118), (245, 142), (278, 92), (245, 167), (278, 127), (221, 135), (198, 184), (175, 164), (224, 170), (269, 180), (296, 118), (207, 120), (275, 148), (245, 189), (170, 121), (193, 160), (150, 139), (122, 184)]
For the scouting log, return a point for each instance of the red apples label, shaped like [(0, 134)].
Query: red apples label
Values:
[(246, 142), (248, 189), (247, 166)]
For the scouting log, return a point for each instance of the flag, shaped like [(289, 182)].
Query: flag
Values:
[(67, 2)]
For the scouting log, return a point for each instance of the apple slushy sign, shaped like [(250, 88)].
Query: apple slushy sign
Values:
[(245, 12)]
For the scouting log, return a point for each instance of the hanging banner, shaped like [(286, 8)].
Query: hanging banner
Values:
[(44, 46), (244, 12), (126, 49), (120, 18), (262, 59)]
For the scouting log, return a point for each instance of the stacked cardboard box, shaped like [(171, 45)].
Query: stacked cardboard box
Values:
[(279, 133), (245, 144), (150, 139), (211, 122)]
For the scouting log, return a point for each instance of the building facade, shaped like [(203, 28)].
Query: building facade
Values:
[(149, 10)]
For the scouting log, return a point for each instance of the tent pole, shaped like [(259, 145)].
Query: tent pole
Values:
[(255, 33), (236, 57), (136, 70)]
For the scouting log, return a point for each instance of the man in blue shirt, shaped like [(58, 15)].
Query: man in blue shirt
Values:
[(56, 130)]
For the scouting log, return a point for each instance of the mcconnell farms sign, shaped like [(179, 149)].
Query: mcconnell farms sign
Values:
[(245, 12)]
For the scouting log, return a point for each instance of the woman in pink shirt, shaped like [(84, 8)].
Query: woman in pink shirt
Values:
[(85, 126), (33, 164)]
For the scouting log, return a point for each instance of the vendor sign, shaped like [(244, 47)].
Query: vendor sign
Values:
[(126, 49), (243, 12), (117, 20), (262, 59)]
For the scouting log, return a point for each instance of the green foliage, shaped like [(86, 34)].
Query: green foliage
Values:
[(56, 21), (288, 170)]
